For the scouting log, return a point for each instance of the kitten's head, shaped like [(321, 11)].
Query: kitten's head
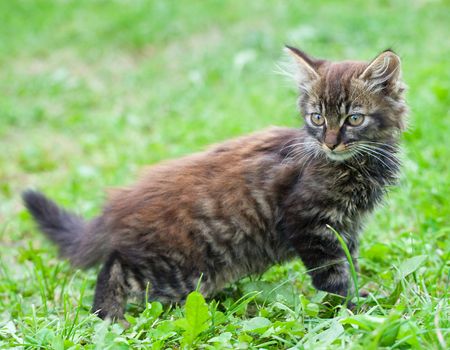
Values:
[(350, 106)]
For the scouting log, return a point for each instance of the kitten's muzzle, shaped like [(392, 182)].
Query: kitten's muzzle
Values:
[(334, 147), (338, 152), (331, 146), (331, 139)]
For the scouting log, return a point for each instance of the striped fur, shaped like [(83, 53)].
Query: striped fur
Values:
[(246, 204)]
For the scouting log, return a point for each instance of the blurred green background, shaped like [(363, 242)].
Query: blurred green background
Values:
[(90, 91)]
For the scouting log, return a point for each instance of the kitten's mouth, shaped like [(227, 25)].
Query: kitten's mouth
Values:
[(340, 153)]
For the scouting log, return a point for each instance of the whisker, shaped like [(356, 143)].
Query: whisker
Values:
[(378, 156), (305, 154), (298, 153), (383, 152), (292, 155), (293, 151), (380, 143), (381, 146)]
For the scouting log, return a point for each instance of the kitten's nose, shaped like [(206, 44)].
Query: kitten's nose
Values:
[(331, 139), (331, 146)]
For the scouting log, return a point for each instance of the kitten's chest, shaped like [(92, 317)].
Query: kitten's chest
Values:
[(338, 196), (349, 190)]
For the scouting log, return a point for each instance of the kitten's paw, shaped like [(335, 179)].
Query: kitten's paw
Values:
[(124, 323), (364, 293), (351, 306)]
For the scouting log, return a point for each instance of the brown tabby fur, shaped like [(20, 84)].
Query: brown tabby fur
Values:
[(249, 203)]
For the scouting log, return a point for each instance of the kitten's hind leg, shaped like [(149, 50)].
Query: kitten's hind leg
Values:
[(111, 292)]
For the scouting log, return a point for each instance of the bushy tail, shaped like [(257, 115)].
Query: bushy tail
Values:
[(81, 242)]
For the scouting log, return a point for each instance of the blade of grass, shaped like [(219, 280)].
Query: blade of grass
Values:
[(350, 262)]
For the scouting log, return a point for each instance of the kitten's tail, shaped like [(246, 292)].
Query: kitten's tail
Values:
[(83, 243)]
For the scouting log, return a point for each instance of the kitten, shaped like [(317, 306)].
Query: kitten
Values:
[(246, 204)]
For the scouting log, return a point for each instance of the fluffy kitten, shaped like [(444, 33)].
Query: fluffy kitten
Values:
[(249, 203)]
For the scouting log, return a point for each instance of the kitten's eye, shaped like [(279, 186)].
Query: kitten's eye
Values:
[(355, 119), (317, 119)]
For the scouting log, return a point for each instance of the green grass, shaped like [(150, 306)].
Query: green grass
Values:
[(91, 91)]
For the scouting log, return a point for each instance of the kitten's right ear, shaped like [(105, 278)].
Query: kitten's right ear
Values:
[(305, 65)]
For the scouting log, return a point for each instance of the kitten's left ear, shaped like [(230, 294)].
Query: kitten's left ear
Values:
[(383, 71)]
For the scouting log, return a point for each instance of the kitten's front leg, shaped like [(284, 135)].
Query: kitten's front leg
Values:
[(326, 262)]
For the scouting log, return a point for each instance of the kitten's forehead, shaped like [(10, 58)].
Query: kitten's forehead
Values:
[(334, 89), (343, 69), (337, 77)]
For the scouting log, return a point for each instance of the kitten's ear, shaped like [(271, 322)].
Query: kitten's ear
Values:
[(383, 71), (305, 66)]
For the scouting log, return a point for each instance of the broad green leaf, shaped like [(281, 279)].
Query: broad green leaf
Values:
[(390, 334), (245, 338), (256, 324), (332, 333), (324, 339), (223, 339), (197, 313), (196, 318), (366, 322), (153, 310), (164, 330), (409, 266), (218, 318)]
